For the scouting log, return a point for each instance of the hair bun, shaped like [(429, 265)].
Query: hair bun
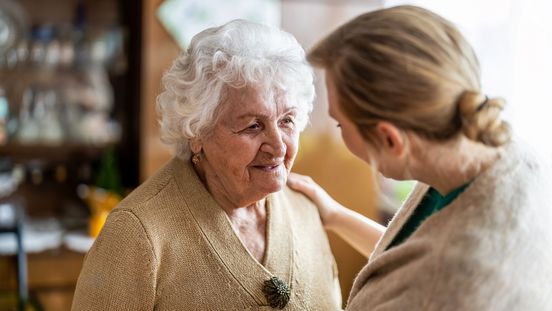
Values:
[(481, 119)]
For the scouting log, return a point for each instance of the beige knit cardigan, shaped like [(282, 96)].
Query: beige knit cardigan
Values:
[(490, 249), (169, 246)]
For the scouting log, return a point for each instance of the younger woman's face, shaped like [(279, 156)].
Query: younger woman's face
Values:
[(349, 131), (381, 158)]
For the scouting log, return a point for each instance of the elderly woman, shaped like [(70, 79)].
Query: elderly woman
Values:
[(216, 228), (404, 87)]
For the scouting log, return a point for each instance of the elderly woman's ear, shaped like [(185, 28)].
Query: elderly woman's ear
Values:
[(195, 145)]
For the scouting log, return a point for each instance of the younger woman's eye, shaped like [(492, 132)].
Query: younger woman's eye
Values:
[(338, 125)]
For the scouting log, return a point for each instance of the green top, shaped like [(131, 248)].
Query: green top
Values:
[(432, 202)]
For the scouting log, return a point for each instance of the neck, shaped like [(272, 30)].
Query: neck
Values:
[(449, 166)]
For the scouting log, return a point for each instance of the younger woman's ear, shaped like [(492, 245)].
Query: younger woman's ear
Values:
[(195, 145), (391, 137)]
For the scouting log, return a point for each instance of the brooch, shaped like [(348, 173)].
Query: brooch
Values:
[(276, 292)]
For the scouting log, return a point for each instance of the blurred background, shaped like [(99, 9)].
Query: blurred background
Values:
[(78, 129)]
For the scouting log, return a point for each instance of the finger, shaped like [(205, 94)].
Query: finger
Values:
[(295, 183), (304, 178), (294, 179), (292, 183), (296, 175)]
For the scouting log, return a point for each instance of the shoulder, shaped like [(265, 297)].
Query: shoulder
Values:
[(520, 164), (302, 211), (151, 204), (153, 188), (123, 228), (123, 239), (167, 192), (298, 202), (518, 185), (296, 196)]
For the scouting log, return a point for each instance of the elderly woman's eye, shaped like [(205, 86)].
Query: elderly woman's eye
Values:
[(254, 126), (288, 121)]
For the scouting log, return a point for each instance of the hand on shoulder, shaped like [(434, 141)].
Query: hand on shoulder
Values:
[(327, 206)]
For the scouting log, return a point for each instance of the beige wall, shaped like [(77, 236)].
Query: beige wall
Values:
[(310, 21), (159, 49), (322, 154)]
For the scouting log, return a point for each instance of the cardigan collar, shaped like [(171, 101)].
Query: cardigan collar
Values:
[(217, 230), (400, 219)]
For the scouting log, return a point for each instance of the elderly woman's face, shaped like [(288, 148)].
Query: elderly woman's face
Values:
[(253, 144)]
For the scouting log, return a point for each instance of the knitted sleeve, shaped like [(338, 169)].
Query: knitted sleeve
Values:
[(119, 270)]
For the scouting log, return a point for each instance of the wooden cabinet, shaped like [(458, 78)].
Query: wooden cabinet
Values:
[(54, 168), (52, 277)]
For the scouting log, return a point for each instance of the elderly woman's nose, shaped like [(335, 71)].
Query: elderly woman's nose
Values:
[(274, 143)]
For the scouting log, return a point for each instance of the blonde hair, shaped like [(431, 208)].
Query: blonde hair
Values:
[(413, 68)]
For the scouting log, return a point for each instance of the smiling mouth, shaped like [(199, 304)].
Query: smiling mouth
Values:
[(267, 168)]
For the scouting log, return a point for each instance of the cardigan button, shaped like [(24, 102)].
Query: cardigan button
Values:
[(277, 292)]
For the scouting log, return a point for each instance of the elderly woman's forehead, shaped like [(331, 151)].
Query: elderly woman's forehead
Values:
[(258, 96)]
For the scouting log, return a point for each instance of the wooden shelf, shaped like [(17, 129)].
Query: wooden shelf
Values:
[(52, 277), (62, 152), (45, 269)]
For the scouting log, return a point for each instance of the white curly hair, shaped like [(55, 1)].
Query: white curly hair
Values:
[(237, 54)]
